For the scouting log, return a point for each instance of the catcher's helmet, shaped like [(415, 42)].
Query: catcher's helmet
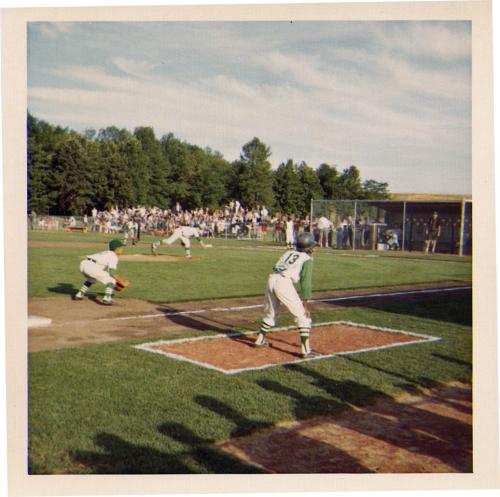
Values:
[(305, 242)]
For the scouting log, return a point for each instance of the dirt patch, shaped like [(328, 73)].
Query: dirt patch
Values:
[(236, 353), (153, 258), (431, 433), (76, 324)]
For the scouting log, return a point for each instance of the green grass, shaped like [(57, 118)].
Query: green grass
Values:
[(114, 409), (231, 269)]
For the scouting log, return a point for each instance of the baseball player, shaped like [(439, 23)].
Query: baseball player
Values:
[(182, 233), (101, 267), (294, 266)]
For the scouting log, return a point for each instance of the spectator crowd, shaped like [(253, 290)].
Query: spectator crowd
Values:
[(233, 220)]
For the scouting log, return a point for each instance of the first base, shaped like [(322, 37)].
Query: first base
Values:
[(38, 322)]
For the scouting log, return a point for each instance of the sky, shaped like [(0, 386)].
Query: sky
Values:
[(391, 97)]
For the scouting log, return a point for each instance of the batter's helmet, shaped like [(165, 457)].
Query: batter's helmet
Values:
[(305, 242)]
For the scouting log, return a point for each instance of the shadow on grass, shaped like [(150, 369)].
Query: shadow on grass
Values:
[(71, 290), (453, 360), (202, 323), (64, 288), (255, 440), (244, 426), (411, 428), (199, 449), (453, 308), (117, 456)]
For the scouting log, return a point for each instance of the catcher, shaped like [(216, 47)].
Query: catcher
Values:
[(102, 267)]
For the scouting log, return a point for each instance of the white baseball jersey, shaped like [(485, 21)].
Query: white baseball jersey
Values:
[(290, 264), (105, 260)]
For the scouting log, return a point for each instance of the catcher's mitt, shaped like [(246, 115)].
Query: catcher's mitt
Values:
[(120, 283)]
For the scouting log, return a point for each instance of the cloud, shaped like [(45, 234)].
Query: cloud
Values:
[(134, 67), (343, 103), (52, 30)]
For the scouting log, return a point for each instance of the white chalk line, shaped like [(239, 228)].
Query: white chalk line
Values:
[(152, 347), (257, 306)]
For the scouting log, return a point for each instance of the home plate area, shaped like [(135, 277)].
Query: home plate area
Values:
[(235, 353)]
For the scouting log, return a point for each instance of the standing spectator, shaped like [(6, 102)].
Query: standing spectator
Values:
[(289, 238), (433, 232), (264, 213), (345, 233), (350, 231), (365, 232), (94, 219), (32, 219), (324, 227)]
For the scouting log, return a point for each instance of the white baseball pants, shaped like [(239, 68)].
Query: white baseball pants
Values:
[(94, 273), (280, 290), (176, 236)]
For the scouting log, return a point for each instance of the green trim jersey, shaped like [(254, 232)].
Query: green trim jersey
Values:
[(107, 260), (298, 267)]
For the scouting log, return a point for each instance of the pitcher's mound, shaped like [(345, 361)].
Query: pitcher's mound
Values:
[(235, 353), (152, 258)]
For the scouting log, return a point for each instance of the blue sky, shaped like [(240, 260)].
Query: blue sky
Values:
[(393, 98)]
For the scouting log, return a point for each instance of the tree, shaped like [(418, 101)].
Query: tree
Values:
[(375, 190), (253, 175), (311, 187), (137, 168), (118, 184), (158, 166), (43, 140), (348, 185), (70, 177), (327, 176), (288, 191)]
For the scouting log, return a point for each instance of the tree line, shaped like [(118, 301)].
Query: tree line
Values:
[(69, 173)]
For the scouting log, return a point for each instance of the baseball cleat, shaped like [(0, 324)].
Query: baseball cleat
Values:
[(107, 302), (189, 256), (78, 296), (310, 355), (261, 345)]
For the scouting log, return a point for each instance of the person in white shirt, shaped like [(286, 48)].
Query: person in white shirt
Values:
[(324, 227), (101, 267), (289, 232), (182, 233)]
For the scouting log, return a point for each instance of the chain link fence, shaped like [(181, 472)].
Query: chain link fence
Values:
[(392, 225)]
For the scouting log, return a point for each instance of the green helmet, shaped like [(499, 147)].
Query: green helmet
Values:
[(305, 242), (114, 244)]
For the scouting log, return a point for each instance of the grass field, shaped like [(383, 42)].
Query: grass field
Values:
[(114, 409), (231, 269)]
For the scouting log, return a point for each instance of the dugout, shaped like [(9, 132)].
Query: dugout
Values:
[(372, 224)]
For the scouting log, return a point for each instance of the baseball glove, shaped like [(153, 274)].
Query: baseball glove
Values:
[(120, 283)]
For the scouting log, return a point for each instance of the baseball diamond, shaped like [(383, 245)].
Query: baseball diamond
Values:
[(391, 335)]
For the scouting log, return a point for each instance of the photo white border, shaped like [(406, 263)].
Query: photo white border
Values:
[(486, 461)]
